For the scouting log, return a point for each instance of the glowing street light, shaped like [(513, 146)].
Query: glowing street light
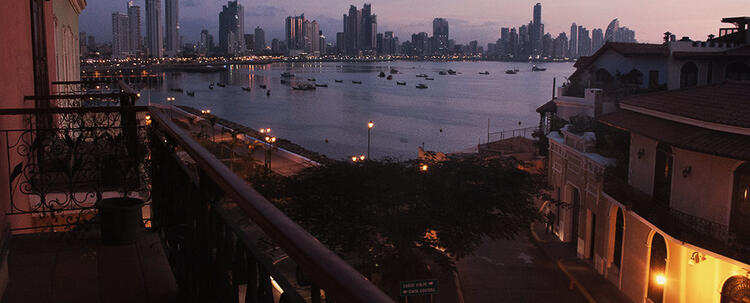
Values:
[(423, 167), (359, 158), (265, 130), (370, 125), (661, 279)]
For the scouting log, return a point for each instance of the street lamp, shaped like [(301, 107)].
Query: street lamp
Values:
[(170, 100), (265, 130), (359, 158), (270, 140), (423, 167), (369, 130)]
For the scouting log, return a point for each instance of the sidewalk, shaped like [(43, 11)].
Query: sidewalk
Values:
[(593, 286)]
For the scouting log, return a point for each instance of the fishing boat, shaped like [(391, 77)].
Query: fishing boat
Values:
[(484, 73), (311, 79), (381, 74), (357, 82), (511, 72), (221, 84), (176, 89), (191, 94), (268, 92), (442, 73), (389, 77), (400, 83), (304, 86), (338, 81), (451, 72), (394, 71), (428, 78), (263, 86), (421, 85), (321, 85), (421, 76), (538, 69), (247, 89), (287, 75)]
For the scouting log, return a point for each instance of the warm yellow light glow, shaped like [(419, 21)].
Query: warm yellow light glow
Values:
[(268, 139), (354, 158), (148, 117), (370, 124), (661, 279), (362, 157), (745, 193), (273, 139), (423, 167)]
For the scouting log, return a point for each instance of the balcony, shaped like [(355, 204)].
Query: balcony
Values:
[(679, 225), (214, 236)]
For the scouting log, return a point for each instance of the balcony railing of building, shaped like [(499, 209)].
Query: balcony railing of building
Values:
[(224, 241), (679, 225)]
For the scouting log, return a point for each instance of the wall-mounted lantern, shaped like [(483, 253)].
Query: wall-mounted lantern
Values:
[(696, 258)]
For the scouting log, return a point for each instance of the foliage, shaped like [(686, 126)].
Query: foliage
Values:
[(614, 143), (633, 78), (581, 123), (381, 213)]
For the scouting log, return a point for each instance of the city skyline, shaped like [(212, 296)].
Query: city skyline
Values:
[(476, 20)]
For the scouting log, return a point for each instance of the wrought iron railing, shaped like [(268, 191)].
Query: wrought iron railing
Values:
[(226, 242), (685, 227), (526, 132)]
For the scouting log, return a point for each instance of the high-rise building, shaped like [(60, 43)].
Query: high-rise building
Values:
[(260, 39), (311, 37), (206, 43), (82, 44), (232, 29), (440, 32), (573, 49), (352, 30), (294, 26), (613, 26), (536, 30), (584, 42), (340, 43), (249, 41), (560, 46), (616, 33), (367, 35), (597, 39), (547, 45), (154, 33), (134, 27), (172, 22), (275, 47), (322, 43), (120, 35)]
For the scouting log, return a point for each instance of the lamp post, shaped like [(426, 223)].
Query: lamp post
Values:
[(170, 101), (270, 140), (369, 130)]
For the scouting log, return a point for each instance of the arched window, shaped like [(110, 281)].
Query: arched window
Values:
[(663, 173), (738, 71), (619, 233), (739, 222), (657, 269), (736, 290), (689, 75)]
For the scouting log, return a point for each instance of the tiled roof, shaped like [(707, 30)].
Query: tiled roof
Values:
[(549, 107), (726, 103), (743, 51), (681, 135), (624, 48)]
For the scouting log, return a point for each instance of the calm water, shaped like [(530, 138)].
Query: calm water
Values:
[(451, 115)]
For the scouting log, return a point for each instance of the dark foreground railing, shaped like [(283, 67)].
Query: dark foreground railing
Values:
[(227, 243)]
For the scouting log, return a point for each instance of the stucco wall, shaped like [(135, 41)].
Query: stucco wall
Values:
[(641, 173), (635, 258), (707, 191), (67, 50), (614, 62)]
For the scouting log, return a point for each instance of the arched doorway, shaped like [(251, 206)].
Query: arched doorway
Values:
[(736, 290), (657, 269), (619, 234), (689, 75), (575, 200), (739, 222)]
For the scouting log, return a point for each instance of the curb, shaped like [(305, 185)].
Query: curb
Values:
[(573, 281)]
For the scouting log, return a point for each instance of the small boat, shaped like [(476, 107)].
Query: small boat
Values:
[(263, 86), (451, 72), (421, 76), (338, 81), (284, 81), (211, 86), (177, 89), (429, 78), (247, 89), (394, 71), (538, 69), (221, 84), (304, 86), (484, 73), (421, 86), (400, 83), (357, 82), (287, 75), (511, 72), (321, 85), (311, 79), (389, 77), (268, 92), (191, 94), (381, 74), (442, 73)]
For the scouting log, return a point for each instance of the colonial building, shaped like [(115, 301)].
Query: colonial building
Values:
[(654, 188)]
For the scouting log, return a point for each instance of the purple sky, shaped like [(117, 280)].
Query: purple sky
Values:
[(469, 19)]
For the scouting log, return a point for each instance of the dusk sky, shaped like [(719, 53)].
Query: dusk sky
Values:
[(469, 19)]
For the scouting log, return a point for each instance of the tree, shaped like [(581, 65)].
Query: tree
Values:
[(391, 219)]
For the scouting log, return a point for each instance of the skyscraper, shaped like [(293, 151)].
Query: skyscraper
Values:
[(206, 43), (611, 29), (154, 29), (260, 38), (597, 39), (294, 26), (134, 27), (573, 49), (119, 35), (231, 29), (440, 32), (536, 30), (171, 18), (352, 29), (367, 36)]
